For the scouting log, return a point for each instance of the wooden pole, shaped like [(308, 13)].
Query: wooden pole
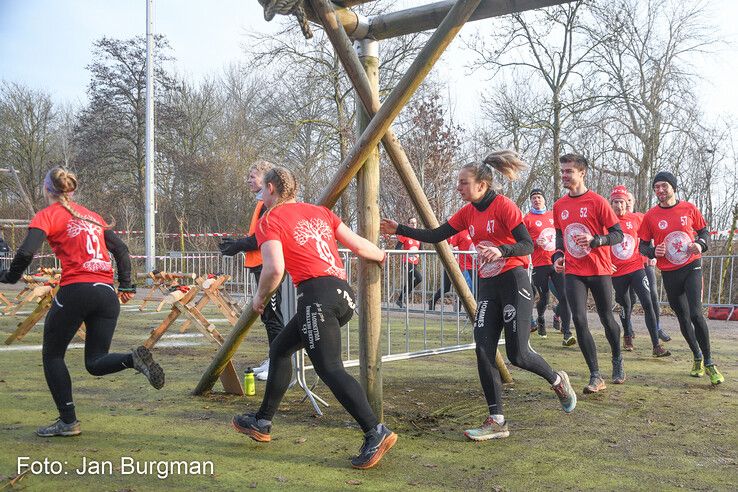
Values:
[(370, 273), (405, 88), (361, 150), (396, 153), (425, 17)]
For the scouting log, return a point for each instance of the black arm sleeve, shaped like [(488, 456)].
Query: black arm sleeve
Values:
[(645, 248), (250, 243), (444, 231), (703, 235), (613, 236), (119, 250), (523, 243), (24, 256), (559, 253)]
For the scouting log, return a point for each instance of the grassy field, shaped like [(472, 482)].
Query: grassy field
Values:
[(662, 430)]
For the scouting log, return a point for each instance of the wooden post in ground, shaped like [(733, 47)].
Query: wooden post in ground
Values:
[(370, 273), (380, 123), (396, 153)]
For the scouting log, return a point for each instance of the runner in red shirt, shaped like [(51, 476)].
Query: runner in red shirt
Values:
[(272, 316), (584, 223), (540, 224), (458, 242), (81, 240), (672, 226), (504, 294), (629, 275), (410, 263), (649, 267), (301, 239)]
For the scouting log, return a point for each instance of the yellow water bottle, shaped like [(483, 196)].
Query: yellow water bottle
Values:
[(249, 384)]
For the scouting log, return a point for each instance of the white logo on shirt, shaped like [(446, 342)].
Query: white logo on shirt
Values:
[(677, 244), (564, 215), (539, 223), (319, 231), (663, 224), (576, 229), (624, 250)]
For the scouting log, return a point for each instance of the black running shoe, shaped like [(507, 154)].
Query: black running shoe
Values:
[(144, 363), (557, 323), (663, 336), (541, 326), (376, 443), (248, 424), (618, 371)]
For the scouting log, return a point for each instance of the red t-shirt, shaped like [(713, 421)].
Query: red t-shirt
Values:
[(624, 255), (541, 230), (307, 233), (463, 242), (409, 244), (587, 213), (493, 227), (675, 226), (79, 245)]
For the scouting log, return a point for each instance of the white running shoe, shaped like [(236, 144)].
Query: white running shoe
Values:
[(264, 366), (263, 373)]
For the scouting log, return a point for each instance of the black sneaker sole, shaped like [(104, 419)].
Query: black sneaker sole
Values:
[(387, 443), (252, 433), (156, 373)]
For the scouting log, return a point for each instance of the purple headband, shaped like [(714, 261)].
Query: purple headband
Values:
[(49, 185)]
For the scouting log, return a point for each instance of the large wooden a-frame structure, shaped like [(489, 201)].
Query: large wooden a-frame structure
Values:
[(342, 25)]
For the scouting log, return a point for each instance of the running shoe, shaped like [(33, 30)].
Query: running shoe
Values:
[(557, 323), (144, 363), (264, 366), (541, 326), (431, 305), (663, 336), (565, 392), (698, 369), (569, 341), (399, 303), (628, 343), (618, 371), (489, 430), (248, 424), (376, 443), (660, 351), (533, 326), (715, 376), (59, 428), (596, 384)]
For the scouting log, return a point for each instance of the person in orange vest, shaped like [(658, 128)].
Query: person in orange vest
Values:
[(272, 315)]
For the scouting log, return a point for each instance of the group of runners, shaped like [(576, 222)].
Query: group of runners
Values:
[(585, 244)]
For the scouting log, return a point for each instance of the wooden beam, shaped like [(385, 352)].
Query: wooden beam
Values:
[(397, 155), (379, 125), (399, 96), (425, 17), (370, 273)]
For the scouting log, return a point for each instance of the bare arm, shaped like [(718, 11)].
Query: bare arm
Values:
[(271, 273), (359, 245)]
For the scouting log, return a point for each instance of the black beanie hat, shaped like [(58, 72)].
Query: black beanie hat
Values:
[(665, 176), (536, 191)]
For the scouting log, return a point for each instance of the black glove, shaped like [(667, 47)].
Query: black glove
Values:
[(4, 277), (231, 247)]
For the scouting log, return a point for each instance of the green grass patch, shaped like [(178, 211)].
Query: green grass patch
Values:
[(661, 430)]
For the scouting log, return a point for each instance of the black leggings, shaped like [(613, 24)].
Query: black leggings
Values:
[(635, 282), (272, 315), (95, 304), (684, 291), (541, 276), (413, 279), (505, 301), (324, 304), (651, 274), (576, 293)]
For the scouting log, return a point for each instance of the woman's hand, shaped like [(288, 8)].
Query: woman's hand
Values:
[(387, 226), (489, 253), (125, 296), (258, 305)]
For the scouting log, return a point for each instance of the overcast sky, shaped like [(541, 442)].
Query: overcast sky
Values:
[(46, 44)]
